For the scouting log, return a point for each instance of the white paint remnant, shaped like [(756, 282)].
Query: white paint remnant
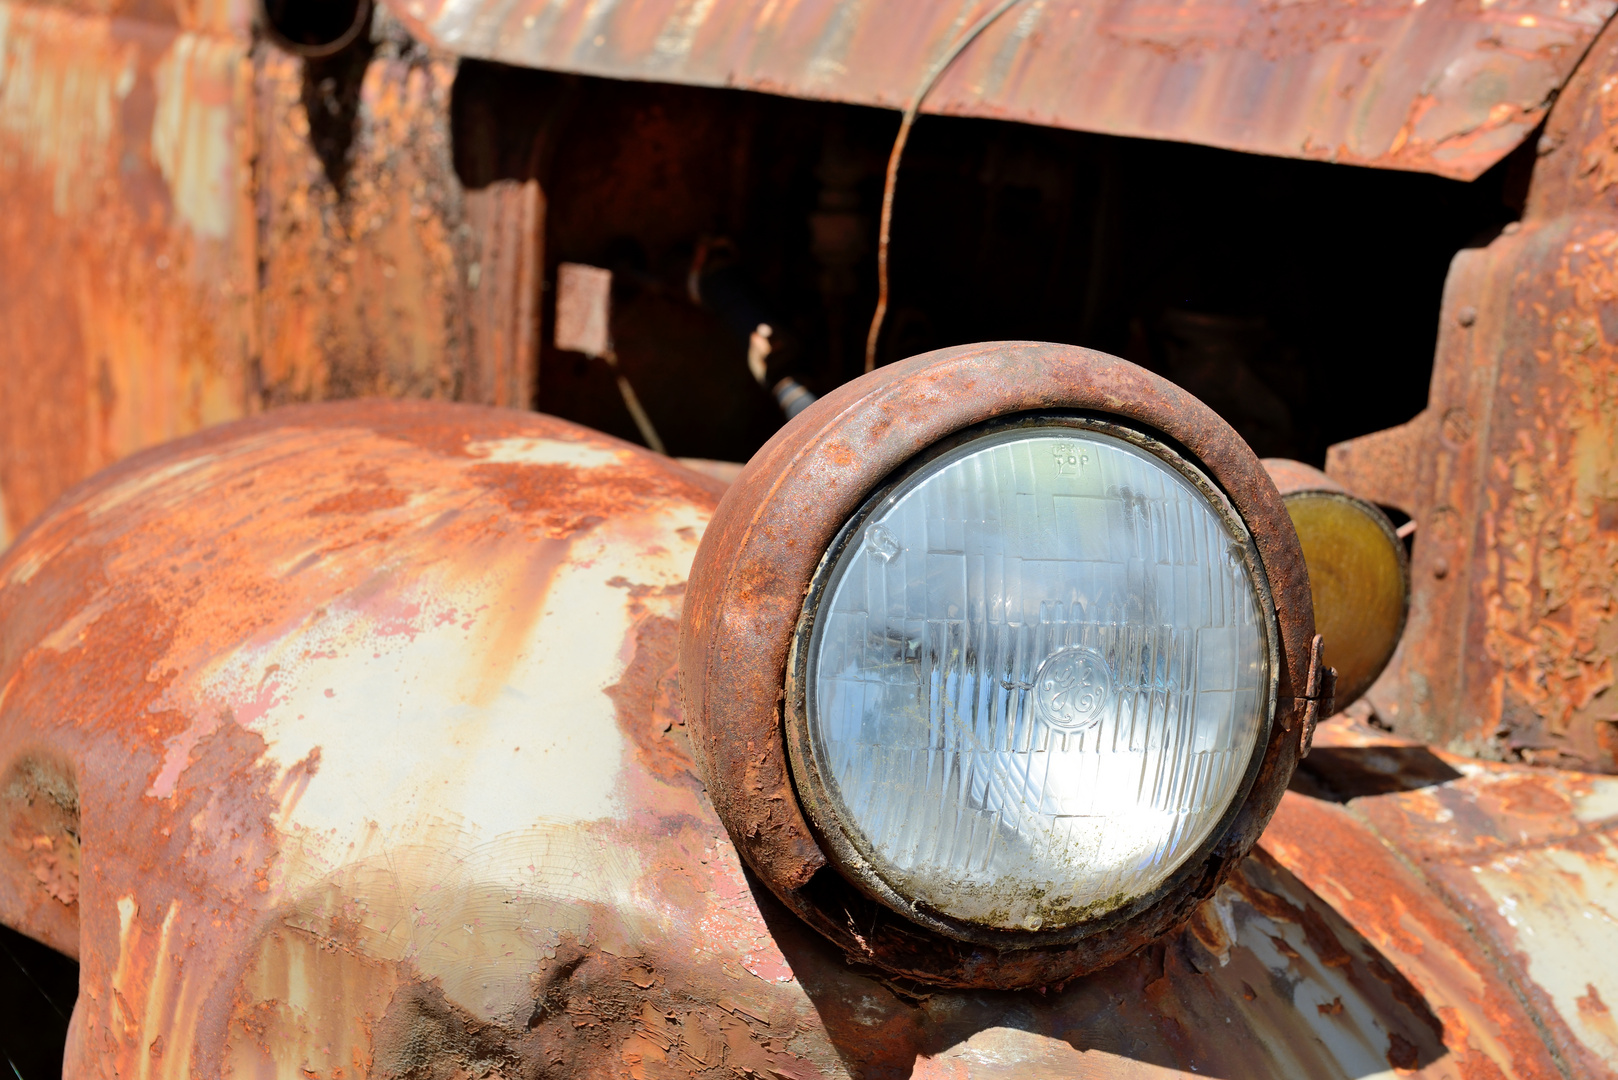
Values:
[(193, 131), (144, 483), (522, 450), (32, 563), (415, 694), (1598, 801), (1560, 901), (57, 100), (679, 32)]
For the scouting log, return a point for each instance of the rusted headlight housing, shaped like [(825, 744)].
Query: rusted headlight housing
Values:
[(996, 661)]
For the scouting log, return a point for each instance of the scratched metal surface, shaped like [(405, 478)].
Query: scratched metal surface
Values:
[(1447, 88), (345, 741)]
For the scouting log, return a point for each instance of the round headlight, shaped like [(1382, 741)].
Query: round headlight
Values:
[(1034, 669), (996, 661)]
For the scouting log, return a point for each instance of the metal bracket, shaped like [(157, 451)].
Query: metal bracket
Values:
[(1320, 691)]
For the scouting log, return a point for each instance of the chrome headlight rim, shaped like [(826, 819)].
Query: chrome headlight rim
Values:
[(830, 818), (759, 556)]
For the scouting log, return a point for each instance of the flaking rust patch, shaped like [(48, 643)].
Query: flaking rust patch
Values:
[(647, 700), (42, 809), (1551, 536)]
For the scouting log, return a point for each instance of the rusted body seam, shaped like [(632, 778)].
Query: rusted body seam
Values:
[(1572, 73), (1484, 429)]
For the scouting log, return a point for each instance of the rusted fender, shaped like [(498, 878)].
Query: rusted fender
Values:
[(344, 741), (1488, 886), (311, 716), (1443, 88)]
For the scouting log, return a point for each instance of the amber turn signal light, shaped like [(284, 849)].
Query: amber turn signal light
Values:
[(1359, 573)]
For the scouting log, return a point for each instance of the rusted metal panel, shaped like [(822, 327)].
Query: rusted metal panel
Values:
[(177, 253), (223, 18), (1486, 1029), (507, 224), (1548, 909), (221, 919), (365, 270), (1443, 88), (381, 274), (126, 288), (1514, 620), (362, 722)]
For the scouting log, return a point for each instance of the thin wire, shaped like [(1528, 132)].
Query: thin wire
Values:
[(632, 403), (939, 67)]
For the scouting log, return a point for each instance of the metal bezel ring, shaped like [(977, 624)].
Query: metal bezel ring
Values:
[(827, 813)]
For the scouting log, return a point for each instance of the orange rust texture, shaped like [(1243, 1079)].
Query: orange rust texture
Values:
[(165, 563), (362, 290), (40, 801), (1485, 1029), (402, 283), (175, 256), (1513, 632), (126, 280)]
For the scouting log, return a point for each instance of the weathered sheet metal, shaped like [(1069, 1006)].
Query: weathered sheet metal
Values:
[(176, 253), (1528, 856), (1511, 472), (384, 276), (341, 703), (344, 741), (127, 277), (1444, 88)]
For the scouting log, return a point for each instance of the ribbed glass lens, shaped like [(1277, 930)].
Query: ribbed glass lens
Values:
[(1037, 676)]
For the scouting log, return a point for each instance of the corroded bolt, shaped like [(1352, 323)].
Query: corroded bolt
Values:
[(1467, 315)]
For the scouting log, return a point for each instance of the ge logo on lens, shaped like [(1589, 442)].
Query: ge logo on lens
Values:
[(1072, 687)]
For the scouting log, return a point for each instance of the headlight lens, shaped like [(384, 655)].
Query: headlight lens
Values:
[(1037, 671)]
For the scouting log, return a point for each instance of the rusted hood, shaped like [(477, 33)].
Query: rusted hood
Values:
[(1440, 86)]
